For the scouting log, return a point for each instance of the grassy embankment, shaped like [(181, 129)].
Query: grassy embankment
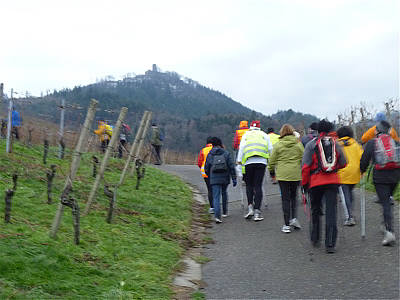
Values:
[(132, 258)]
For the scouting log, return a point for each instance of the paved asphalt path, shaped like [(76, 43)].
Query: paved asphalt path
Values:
[(255, 260)]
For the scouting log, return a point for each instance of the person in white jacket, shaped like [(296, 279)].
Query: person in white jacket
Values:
[(253, 153)]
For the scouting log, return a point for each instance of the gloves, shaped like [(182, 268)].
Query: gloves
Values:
[(234, 181)]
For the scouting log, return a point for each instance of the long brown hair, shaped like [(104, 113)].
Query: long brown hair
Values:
[(286, 129)]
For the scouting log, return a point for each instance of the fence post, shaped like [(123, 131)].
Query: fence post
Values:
[(103, 165), (10, 106), (61, 134), (76, 157), (133, 147), (139, 148)]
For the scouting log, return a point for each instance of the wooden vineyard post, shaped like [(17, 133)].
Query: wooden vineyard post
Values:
[(61, 133), (9, 124), (134, 147), (8, 200), (103, 165), (50, 176), (76, 157), (139, 148)]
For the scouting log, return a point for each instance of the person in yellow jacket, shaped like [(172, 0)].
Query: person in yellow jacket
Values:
[(371, 132), (351, 174), (104, 131), (274, 138), (201, 161)]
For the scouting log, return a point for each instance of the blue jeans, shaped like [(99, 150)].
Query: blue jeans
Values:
[(348, 196), (217, 190)]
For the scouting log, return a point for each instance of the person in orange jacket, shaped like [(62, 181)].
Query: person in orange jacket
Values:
[(371, 132), (243, 127), (201, 161)]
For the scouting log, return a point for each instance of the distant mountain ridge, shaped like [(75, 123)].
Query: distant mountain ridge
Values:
[(186, 111)]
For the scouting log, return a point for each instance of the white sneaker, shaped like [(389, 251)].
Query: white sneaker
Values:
[(295, 223), (211, 210), (389, 238), (218, 221), (257, 216), (250, 212), (286, 229), (224, 215)]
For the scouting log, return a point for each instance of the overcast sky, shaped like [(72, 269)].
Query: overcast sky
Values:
[(313, 56)]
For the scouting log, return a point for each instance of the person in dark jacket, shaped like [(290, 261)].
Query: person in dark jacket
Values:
[(219, 181), (322, 184), (312, 133), (385, 181)]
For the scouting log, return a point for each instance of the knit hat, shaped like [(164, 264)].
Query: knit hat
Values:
[(255, 124), (383, 127), (380, 116)]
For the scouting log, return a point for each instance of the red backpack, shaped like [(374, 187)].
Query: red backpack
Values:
[(387, 153)]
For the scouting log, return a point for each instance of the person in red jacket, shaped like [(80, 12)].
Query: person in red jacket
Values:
[(322, 158), (201, 161)]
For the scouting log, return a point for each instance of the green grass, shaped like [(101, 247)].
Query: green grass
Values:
[(201, 259), (132, 258)]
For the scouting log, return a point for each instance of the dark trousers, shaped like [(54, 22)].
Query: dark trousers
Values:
[(348, 197), (289, 199), (104, 145), (15, 131), (121, 147), (157, 150), (254, 179), (384, 191), (329, 192), (209, 191)]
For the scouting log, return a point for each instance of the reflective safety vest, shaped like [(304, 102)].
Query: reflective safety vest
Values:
[(240, 133), (274, 138), (255, 145), (205, 150)]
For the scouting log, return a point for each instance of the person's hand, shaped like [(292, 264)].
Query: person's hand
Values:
[(234, 181), (305, 188)]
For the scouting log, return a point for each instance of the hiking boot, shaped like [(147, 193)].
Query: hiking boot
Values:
[(389, 238), (286, 229), (295, 223), (330, 250), (352, 221), (257, 216), (211, 210), (250, 212), (225, 215), (347, 222), (218, 220)]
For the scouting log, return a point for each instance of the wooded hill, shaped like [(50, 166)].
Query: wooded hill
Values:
[(186, 111)]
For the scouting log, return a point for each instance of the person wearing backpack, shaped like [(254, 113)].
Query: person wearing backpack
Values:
[(371, 132), (312, 133), (201, 161), (220, 168), (253, 151), (351, 174), (322, 159), (285, 160), (384, 152)]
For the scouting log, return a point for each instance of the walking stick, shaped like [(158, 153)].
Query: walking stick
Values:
[(343, 201), (362, 207), (304, 200)]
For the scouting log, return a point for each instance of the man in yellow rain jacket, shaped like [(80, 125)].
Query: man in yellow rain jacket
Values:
[(104, 131)]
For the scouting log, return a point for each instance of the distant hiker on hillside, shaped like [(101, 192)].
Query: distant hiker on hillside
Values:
[(371, 132), (220, 168), (384, 152), (123, 139), (311, 134), (274, 138), (156, 142), (201, 161), (104, 131), (322, 158), (350, 175), (253, 150), (286, 161), (16, 123)]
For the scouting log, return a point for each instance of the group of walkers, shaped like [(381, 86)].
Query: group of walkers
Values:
[(324, 163)]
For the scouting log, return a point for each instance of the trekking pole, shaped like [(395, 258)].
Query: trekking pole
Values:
[(343, 201), (362, 207), (304, 200)]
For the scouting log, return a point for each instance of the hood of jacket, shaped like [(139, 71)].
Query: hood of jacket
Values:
[(347, 141), (217, 150), (289, 141), (243, 124)]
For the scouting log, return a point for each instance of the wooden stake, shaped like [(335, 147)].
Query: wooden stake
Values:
[(50, 176), (76, 157), (110, 147)]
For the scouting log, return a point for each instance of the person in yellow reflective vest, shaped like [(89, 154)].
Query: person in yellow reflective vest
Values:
[(104, 131), (201, 161), (274, 139), (253, 153)]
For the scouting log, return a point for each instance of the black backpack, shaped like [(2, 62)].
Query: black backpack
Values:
[(219, 164)]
